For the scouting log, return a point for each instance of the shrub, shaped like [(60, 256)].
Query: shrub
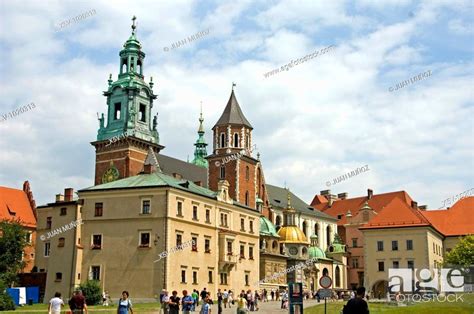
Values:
[(92, 292), (6, 302)]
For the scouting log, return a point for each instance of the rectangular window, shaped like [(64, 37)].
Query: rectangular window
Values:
[(381, 266), (47, 249), (142, 113), (179, 210), (195, 277), (379, 245), (229, 248), (117, 106), (96, 241), (95, 273), (59, 276), (251, 226), (396, 264), (144, 239), (411, 264), (179, 239), (223, 278), (250, 252), (99, 207), (246, 279), (354, 242), (195, 212), (63, 211), (194, 247), (355, 263), (208, 215), (183, 276), (28, 237), (242, 251), (49, 222), (222, 172), (409, 245), (395, 245), (207, 246), (209, 277), (224, 220), (145, 206), (61, 242), (242, 224)]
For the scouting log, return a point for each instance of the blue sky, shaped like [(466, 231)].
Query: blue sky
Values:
[(313, 123)]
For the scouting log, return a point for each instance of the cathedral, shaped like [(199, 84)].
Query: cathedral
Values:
[(144, 204)]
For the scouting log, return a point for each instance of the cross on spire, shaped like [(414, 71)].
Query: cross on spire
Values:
[(233, 85), (133, 24)]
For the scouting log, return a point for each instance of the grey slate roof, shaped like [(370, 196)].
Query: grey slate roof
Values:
[(278, 197), (233, 114), (189, 171)]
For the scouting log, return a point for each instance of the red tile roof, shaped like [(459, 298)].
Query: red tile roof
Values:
[(377, 203), (397, 214), (455, 221), (14, 204)]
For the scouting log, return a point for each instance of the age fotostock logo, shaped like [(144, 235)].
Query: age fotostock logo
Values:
[(426, 280)]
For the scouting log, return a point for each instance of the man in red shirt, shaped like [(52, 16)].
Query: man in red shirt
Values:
[(78, 303)]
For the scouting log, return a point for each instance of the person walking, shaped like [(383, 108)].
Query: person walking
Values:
[(277, 295), (272, 294), (174, 303), (265, 295), (166, 302), (256, 299), (241, 304), (78, 303), (55, 304), (225, 296), (195, 297), (187, 303), (203, 294), (124, 304), (231, 298), (220, 297), (206, 305), (358, 304)]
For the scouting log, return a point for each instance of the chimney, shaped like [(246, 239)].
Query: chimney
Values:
[(59, 198), (414, 204), (342, 196), (68, 194), (423, 207), (148, 169), (326, 192), (370, 193), (198, 183), (177, 175)]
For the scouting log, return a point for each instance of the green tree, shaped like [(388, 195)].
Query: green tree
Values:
[(12, 244), (462, 254), (6, 302), (91, 291)]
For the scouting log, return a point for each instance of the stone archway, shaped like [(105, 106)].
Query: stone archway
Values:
[(380, 289)]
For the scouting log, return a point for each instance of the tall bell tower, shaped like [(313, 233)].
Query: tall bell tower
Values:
[(232, 158), (123, 140)]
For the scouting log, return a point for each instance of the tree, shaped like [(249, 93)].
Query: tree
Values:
[(462, 254), (91, 291), (12, 244)]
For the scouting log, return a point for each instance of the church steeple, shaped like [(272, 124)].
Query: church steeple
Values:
[(289, 213), (125, 136), (200, 151)]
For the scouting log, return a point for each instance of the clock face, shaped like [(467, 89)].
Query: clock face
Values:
[(293, 250), (110, 175)]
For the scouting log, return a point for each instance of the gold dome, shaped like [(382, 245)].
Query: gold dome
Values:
[(291, 234)]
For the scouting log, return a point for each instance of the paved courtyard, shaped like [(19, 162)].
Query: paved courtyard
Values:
[(270, 307)]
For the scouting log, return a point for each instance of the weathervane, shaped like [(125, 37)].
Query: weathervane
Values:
[(133, 25), (233, 85)]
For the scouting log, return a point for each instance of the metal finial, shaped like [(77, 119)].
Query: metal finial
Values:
[(133, 24), (201, 119), (233, 85)]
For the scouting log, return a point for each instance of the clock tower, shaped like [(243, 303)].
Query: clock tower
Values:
[(125, 137)]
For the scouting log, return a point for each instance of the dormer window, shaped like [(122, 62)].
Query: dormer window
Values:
[(222, 144), (142, 113), (236, 140), (117, 108)]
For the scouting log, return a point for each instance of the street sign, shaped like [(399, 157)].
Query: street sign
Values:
[(325, 282), (325, 293)]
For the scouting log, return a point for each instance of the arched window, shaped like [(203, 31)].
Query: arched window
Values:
[(222, 172), (328, 235), (304, 251), (316, 229), (365, 216), (325, 272), (248, 142), (247, 198), (274, 245), (278, 220), (305, 231), (222, 144), (236, 140), (247, 173), (338, 277)]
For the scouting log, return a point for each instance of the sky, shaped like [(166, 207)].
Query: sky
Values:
[(318, 120)]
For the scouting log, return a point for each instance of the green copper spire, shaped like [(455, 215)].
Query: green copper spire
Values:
[(200, 151), (130, 98)]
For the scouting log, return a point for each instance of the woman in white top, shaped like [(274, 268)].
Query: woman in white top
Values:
[(55, 304)]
